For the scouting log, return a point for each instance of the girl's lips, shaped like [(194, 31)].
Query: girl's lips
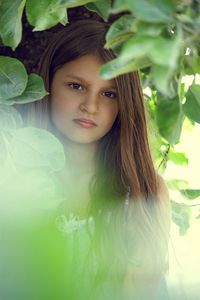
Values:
[(85, 123)]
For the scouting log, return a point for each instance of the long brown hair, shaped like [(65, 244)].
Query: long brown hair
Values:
[(128, 146), (124, 159)]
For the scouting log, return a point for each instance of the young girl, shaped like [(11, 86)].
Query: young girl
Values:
[(115, 202)]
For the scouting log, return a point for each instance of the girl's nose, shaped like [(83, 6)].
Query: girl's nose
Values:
[(89, 104)]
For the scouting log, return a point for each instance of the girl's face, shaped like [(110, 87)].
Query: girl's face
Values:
[(83, 106)]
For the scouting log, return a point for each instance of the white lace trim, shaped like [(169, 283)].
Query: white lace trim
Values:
[(71, 223)]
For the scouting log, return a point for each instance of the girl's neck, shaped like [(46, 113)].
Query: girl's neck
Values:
[(76, 177), (80, 158)]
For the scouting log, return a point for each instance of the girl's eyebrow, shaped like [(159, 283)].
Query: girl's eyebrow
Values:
[(76, 77)]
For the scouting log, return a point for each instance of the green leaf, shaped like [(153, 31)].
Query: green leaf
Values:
[(145, 10), (101, 7), (33, 147), (160, 50), (165, 52), (10, 22), (44, 14), (191, 107), (181, 216), (166, 5), (177, 184), (169, 118), (9, 118), (163, 80), (119, 32), (32, 190), (13, 78), (34, 91), (3, 154), (136, 47), (148, 29), (117, 67), (42, 190), (190, 193), (192, 63), (197, 21), (74, 3), (178, 158)]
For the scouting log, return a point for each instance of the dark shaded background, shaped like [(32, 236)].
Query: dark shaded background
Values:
[(33, 44)]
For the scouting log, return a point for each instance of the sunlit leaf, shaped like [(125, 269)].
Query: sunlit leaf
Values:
[(31, 189), (148, 11), (165, 52), (177, 184), (169, 118), (101, 7), (33, 147), (13, 78), (190, 193), (181, 216), (119, 31), (44, 14), (136, 47), (197, 21), (178, 158), (192, 62), (163, 80), (148, 29), (34, 91), (9, 118), (191, 107), (117, 67), (162, 51), (10, 22), (74, 3), (3, 155)]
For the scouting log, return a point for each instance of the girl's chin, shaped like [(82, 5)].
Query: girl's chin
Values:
[(80, 137), (78, 140)]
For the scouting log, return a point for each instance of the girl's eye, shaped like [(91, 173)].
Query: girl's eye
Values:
[(110, 94), (75, 86)]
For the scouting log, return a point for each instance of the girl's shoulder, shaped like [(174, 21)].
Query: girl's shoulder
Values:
[(163, 192), (164, 203)]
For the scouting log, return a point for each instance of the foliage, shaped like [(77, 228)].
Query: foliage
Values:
[(159, 37), (30, 158), (191, 106), (16, 85)]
